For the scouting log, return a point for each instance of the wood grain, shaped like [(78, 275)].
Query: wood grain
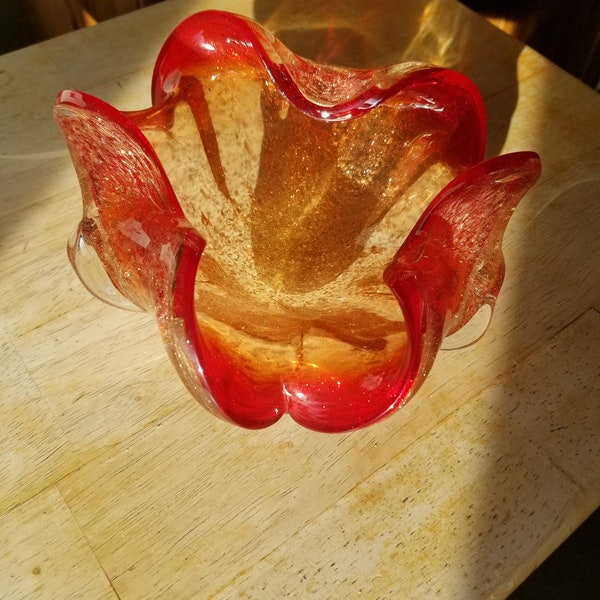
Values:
[(444, 519), (45, 555)]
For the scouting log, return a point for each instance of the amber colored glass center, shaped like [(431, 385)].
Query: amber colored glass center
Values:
[(301, 217)]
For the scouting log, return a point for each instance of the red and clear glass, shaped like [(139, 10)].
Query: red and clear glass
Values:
[(306, 235)]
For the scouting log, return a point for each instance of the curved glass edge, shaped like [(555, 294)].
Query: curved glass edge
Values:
[(322, 91), (451, 264), (131, 239), (92, 273)]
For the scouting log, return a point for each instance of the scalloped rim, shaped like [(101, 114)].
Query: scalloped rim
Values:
[(283, 68)]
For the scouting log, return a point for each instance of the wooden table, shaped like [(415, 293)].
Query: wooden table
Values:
[(115, 484)]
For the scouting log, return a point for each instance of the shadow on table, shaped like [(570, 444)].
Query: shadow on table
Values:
[(555, 273), (366, 35)]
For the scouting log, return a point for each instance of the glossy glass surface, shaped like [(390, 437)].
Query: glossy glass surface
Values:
[(306, 235)]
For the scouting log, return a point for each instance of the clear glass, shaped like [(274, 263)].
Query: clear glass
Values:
[(307, 235)]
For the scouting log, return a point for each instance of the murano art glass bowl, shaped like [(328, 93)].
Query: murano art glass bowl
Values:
[(306, 235)]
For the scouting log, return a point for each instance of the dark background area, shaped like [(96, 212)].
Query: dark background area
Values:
[(572, 572), (25, 22), (565, 31)]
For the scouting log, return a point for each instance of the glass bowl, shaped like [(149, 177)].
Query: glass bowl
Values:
[(307, 235)]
